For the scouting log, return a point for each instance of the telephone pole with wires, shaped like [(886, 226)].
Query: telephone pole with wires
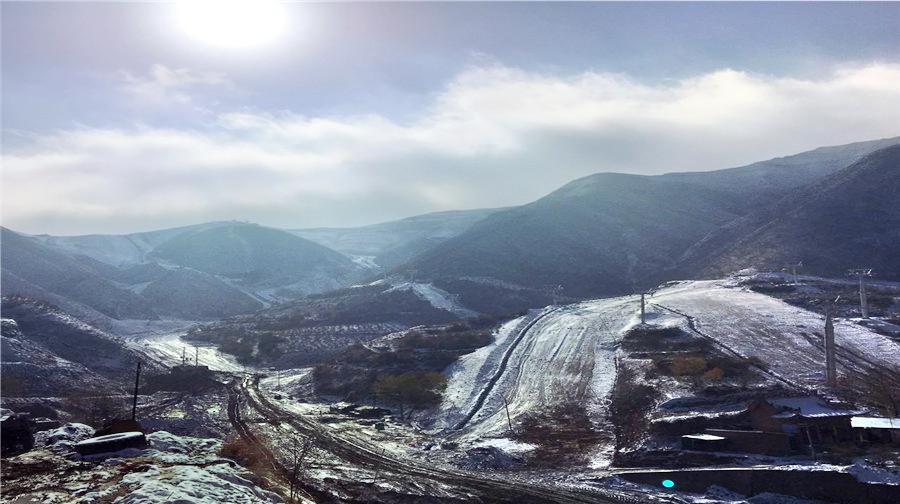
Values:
[(861, 273), (830, 362)]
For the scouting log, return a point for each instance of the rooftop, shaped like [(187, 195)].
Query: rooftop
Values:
[(875, 423)]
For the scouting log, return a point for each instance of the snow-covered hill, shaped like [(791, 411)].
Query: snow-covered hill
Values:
[(560, 354)]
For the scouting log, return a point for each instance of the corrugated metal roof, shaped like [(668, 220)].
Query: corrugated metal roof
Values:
[(875, 423)]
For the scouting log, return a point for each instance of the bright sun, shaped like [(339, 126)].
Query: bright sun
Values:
[(232, 23)]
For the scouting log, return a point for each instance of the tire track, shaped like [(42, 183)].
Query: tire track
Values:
[(487, 489)]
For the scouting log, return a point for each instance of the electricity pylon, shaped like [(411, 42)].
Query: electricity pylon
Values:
[(863, 304)]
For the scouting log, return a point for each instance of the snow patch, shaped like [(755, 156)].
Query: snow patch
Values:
[(438, 298)]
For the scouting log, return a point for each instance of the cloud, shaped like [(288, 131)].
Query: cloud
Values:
[(163, 85), (493, 136)]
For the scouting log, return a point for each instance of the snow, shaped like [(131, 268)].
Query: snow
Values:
[(365, 261), (567, 355), (438, 298), (64, 436), (875, 423), (704, 437), (181, 469), (507, 445), (785, 337), (870, 474), (169, 347), (202, 485), (809, 407)]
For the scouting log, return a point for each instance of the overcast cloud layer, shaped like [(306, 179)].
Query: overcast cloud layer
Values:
[(493, 136)]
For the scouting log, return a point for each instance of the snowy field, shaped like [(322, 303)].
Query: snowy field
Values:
[(169, 347), (785, 337)]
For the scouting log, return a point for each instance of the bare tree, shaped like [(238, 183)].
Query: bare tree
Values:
[(299, 452)]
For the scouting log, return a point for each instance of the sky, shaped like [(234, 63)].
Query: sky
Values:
[(122, 117)]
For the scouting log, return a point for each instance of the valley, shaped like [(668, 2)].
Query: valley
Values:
[(477, 356)]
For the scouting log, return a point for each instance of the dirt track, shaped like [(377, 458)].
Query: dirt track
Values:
[(468, 487)]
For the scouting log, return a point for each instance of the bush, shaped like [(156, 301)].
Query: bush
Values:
[(714, 374), (688, 366), (248, 455), (413, 390)]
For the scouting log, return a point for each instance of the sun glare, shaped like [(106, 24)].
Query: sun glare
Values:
[(232, 23)]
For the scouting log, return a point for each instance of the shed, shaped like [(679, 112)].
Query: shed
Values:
[(813, 419), (876, 429)]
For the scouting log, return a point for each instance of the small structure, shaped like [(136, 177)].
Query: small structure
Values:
[(876, 429), (16, 433), (703, 442), (812, 420)]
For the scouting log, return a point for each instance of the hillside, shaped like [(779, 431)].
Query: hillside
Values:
[(850, 219), (32, 269), (603, 234), (390, 244), (768, 180), (611, 233), (47, 352), (260, 257)]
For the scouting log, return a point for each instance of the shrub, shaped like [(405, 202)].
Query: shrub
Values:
[(714, 374), (413, 390), (247, 455), (688, 365)]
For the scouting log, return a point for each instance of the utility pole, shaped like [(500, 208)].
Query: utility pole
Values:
[(830, 366), (643, 313), (508, 419), (863, 303), (793, 269), (196, 356), (183, 355), (137, 381)]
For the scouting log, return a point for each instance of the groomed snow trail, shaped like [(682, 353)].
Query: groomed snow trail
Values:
[(785, 337), (566, 355)]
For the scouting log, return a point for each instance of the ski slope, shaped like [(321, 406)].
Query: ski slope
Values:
[(785, 337), (561, 354), (548, 357)]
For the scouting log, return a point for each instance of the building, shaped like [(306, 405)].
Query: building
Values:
[(811, 420), (876, 429), (776, 426)]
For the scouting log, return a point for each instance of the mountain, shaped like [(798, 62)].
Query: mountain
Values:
[(390, 244), (604, 234), (47, 352), (201, 272), (118, 250), (765, 181), (33, 269), (610, 233), (260, 257), (849, 219)]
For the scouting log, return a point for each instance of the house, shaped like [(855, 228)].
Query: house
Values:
[(812, 420), (875, 429), (762, 425)]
